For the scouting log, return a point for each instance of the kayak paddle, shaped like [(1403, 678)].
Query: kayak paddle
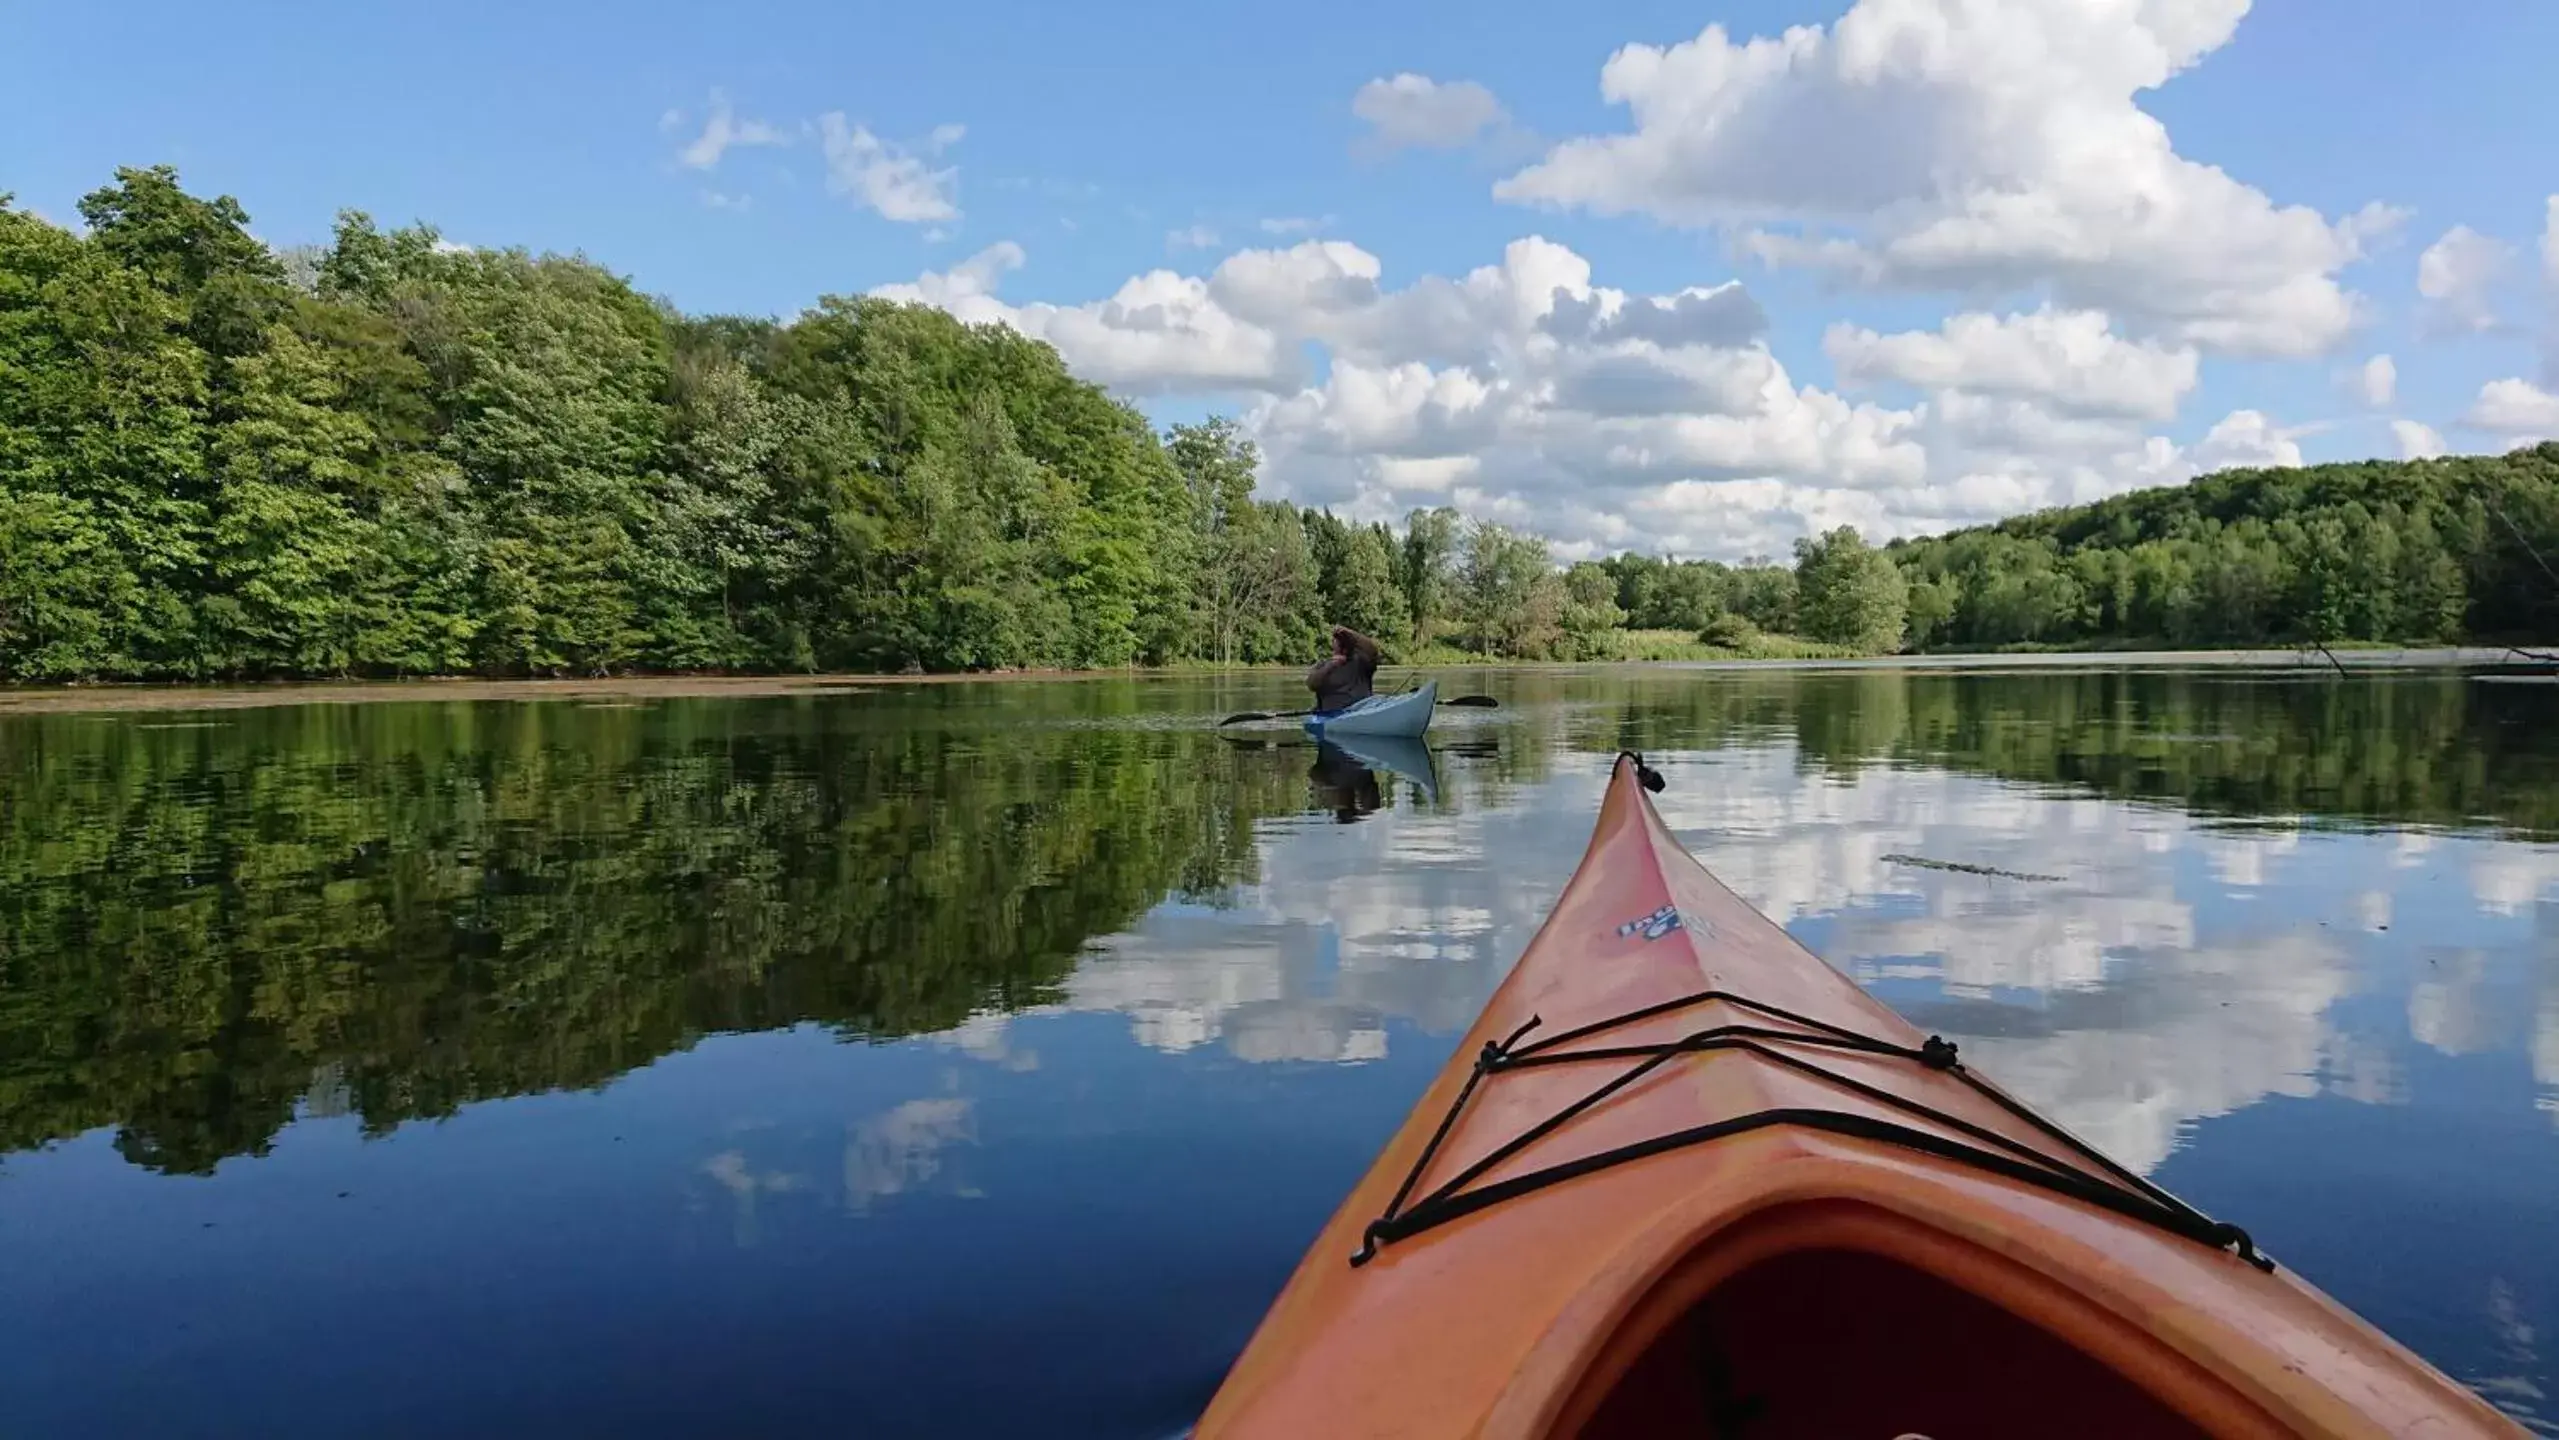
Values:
[(1478, 702)]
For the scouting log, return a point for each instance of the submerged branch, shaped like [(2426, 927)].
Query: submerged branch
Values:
[(1993, 871)]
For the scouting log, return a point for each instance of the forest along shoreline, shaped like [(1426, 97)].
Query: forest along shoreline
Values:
[(394, 456), (68, 699)]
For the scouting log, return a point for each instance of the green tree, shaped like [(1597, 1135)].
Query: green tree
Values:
[(1849, 593), (103, 416), (1764, 595), (1361, 592), (1659, 594), (1218, 463), (1589, 611), (1433, 542), (1691, 593), (1928, 609), (1512, 597), (1260, 585), (1259, 582), (2422, 550), (293, 554), (720, 544), (198, 252)]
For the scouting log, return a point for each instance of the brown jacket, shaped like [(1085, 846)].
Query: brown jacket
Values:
[(1342, 679)]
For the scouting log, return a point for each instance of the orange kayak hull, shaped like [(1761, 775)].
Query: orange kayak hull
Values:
[(1596, 1281)]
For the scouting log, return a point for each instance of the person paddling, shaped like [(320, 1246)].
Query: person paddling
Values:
[(1348, 675)]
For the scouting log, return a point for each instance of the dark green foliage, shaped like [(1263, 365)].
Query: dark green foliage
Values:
[(2375, 551), (1668, 595), (406, 457), (1510, 597), (197, 252), (1258, 594), (1727, 630), (104, 405), (1590, 611), (1355, 573), (395, 456), (1765, 595), (1428, 573), (1849, 592)]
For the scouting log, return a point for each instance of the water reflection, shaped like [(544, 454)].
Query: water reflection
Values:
[(1354, 777), (905, 1016), (903, 1148), (730, 1171), (2545, 1031), (1343, 784)]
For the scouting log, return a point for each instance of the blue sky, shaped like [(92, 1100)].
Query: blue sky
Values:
[(1089, 135)]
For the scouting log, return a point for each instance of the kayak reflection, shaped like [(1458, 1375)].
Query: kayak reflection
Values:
[(1343, 785), (1345, 774), (1348, 774)]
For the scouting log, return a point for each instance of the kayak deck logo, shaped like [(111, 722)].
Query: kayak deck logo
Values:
[(1654, 926)]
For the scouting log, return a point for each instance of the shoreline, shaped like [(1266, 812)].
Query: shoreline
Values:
[(142, 696), (2423, 657)]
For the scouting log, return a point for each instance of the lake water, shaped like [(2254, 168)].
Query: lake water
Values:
[(979, 1058)]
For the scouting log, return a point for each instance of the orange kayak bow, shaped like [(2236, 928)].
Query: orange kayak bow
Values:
[(1683, 1178)]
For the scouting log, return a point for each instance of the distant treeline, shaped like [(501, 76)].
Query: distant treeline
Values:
[(392, 455), (2417, 551), (2379, 550)]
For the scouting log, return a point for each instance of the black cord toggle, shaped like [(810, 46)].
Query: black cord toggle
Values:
[(1497, 1053), (1938, 1053), (1645, 775), (2226, 1236), (1367, 1244)]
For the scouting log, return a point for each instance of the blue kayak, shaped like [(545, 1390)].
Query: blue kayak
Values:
[(1405, 715)]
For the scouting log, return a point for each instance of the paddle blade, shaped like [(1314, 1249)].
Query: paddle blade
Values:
[(1479, 702), (1248, 715)]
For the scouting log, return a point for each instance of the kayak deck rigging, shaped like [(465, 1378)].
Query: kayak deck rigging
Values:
[(2129, 1195), (2113, 1187)]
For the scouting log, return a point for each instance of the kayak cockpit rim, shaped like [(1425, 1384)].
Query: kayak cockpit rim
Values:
[(1587, 1357)]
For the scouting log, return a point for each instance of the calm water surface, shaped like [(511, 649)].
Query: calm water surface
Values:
[(980, 1058)]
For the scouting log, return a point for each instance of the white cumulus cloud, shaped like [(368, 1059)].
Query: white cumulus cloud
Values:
[(1725, 314), (900, 183), (2516, 409), (972, 279), (721, 130), (2245, 439), (1160, 332), (2550, 292), (2416, 441), (2070, 358), (2458, 275), (1985, 147), (1411, 111), (2374, 383), (1527, 391), (2550, 242), (1191, 237)]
